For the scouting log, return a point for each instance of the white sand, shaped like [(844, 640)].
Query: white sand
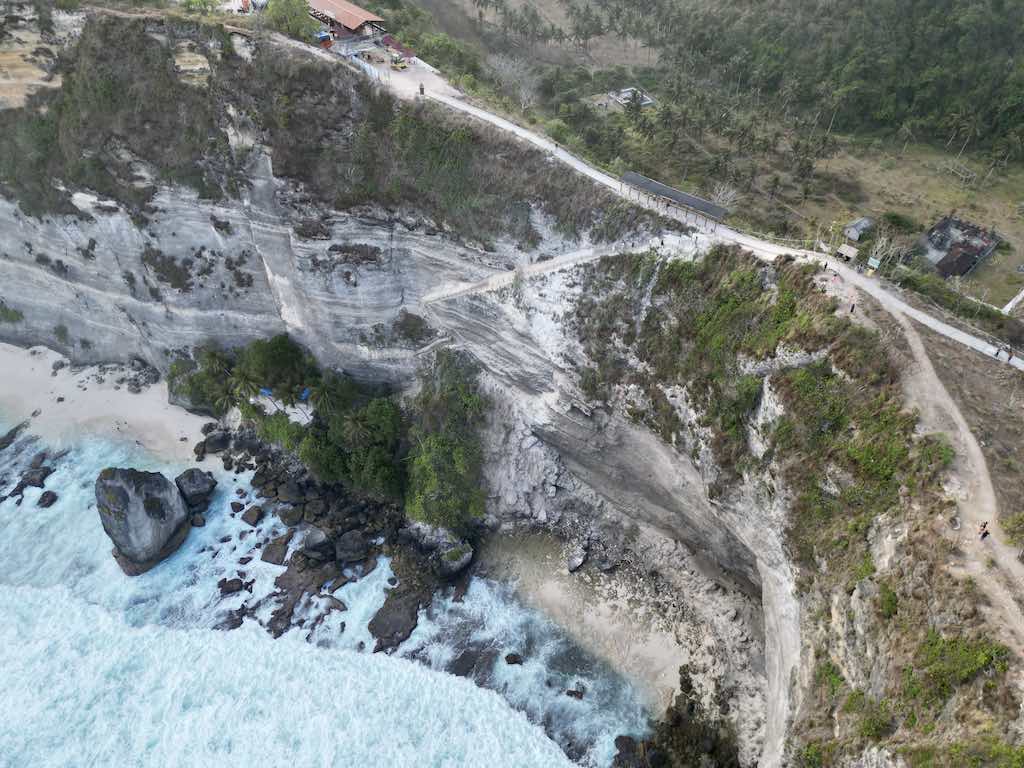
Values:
[(89, 408), (601, 612)]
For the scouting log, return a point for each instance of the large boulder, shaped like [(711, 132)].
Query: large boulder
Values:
[(196, 488), (144, 514)]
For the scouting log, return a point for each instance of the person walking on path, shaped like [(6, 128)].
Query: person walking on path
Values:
[(983, 531)]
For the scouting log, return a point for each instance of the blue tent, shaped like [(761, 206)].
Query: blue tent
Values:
[(305, 395), (266, 391)]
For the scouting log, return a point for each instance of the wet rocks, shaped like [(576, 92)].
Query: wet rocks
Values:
[(289, 515), (277, 550), (317, 545), (237, 506), (197, 520), (47, 499), (217, 441), (351, 547), (230, 586), (252, 515), (11, 435), (513, 659), (144, 514), (397, 618), (449, 555), (196, 487), (576, 693)]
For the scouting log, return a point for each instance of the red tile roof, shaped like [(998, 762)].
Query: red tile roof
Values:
[(351, 17)]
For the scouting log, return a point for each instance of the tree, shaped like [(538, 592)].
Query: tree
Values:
[(291, 17), (517, 79)]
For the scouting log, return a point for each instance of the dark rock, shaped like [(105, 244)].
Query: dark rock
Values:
[(252, 515), (397, 618), (513, 659), (208, 427), (277, 550), (237, 506), (38, 460), (200, 450), (227, 462), (315, 508), (217, 441), (473, 663), (245, 560), (35, 477), (196, 487), (452, 560), (47, 499), (143, 513), (260, 478), (11, 435), (351, 547), (230, 586), (289, 515), (317, 545), (290, 493), (576, 693), (198, 521), (241, 493)]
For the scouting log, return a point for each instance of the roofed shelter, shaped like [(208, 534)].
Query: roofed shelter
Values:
[(673, 196), (346, 19)]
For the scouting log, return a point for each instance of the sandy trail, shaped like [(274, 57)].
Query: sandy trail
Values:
[(1001, 582), (90, 408)]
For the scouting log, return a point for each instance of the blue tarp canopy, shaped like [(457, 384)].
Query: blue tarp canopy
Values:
[(266, 391), (305, 395)]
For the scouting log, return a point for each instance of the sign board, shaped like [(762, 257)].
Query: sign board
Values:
[(874, 263)]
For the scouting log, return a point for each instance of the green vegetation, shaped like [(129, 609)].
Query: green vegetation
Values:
[(828, 677), (942, 664), (984, 752), (937, 290), (116, 83), (415, 28), (888, 601), (356, 439), (9, 314), (942, 68), (290, 17), (359, 435), (60, 332), (445, 473)]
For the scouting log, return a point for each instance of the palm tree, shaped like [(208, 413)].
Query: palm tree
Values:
[(225, 400), (244, 384), (354, 429), (906, 132)]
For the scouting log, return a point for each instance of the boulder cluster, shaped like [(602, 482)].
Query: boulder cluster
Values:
[(147, 516)]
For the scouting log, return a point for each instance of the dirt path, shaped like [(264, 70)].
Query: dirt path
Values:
[(992, 563)]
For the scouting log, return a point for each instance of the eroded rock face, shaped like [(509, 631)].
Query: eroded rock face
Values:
[(143, 513)]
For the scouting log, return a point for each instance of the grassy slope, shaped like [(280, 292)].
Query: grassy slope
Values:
[(847, 452)]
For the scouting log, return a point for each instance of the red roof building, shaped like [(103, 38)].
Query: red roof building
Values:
[(343, 16)]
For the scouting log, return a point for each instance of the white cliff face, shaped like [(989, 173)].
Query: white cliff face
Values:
[(616, 490), (230, 272)]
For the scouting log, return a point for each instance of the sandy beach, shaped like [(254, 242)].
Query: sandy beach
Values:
[(599, 611), (90, 407)]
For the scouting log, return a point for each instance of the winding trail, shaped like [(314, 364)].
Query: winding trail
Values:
[(763, 249), (999, 582)]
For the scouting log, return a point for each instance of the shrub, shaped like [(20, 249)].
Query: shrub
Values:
[(445, 473), (60, 332), (943, 664), (9, 314), (291, 17), (277, 428), (888, 602)]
